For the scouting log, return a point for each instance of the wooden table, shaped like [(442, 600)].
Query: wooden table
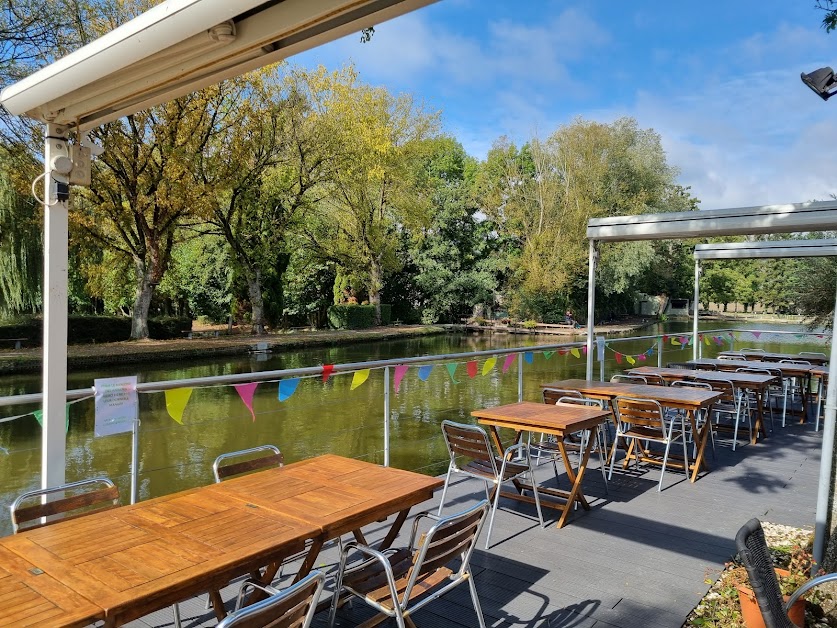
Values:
[(690, 400), (31, 597), (802, 371), (765, 356), (756, 382), (560, 420), (132, 560)]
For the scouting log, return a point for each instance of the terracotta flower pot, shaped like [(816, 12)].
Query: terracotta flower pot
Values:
[(751, 613)]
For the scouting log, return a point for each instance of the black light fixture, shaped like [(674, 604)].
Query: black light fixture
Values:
[(821, 81)]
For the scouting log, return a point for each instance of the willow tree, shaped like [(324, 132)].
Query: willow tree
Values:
[(378, 188)]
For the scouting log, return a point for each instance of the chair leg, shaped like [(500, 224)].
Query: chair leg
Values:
[(602, 459), (445, 489), (613, 455), (735, 432), (535, 493), (175, 611), (491, 517), (338, 585), (473, 586), (663, 470)]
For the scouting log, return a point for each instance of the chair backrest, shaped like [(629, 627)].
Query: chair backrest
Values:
[(750, 350), (679, 365), (449, 539), (644, 412), (812, 354), (654, 379), (598, 403), (237, 463), (80, 498), (724, 386), (685, 383), (469, 442), (732, 357), (293, 607), (701, 366), (802, 362), (753, 552), (629, 379), (552, 395), (754, 370)]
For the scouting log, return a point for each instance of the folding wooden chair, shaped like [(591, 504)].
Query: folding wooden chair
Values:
[(293, 607), (399, 582), (470, 443)]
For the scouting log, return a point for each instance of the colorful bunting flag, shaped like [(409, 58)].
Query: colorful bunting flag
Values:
[(618, 357), (563, 351), (665, 338), (630, 359), (246, 392), (451, 370), (584, 349), (287, 387), (508, 362), (529, 357), (548, 354), (472, 369), (328, 369), (424, 372), (359, 377), (176, 400), (684, 340), (756, 334), (675, 341), (641, 357), (489, 364), (400, 371), (39, 417), (575, 353), (706, 340)]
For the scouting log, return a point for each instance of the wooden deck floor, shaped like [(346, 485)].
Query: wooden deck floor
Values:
[(638, 559)]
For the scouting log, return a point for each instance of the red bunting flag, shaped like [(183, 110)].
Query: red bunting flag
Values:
[(328, 369), (472, 369), (618, 357), (563, 351), (665, 338)]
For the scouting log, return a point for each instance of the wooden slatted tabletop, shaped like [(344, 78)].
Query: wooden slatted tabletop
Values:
[(766, 356), (31, 597), (679, 398), (788, 370), (755, 380)]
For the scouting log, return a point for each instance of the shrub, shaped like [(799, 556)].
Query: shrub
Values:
[(351, 316), (85, 329), (530, 324), (166, 327)]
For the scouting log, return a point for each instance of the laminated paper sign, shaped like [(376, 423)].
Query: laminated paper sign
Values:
[(117, 407)]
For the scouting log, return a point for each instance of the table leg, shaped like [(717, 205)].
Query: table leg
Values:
[(389, 539), (576, 478), (760, 428), (701, 438)]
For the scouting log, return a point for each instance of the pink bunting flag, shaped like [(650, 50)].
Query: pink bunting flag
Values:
[(508, 362), (246, 392), (684, 340), (472, 369), (584, 349), (618, 357), (400, 371), (328, 369), (756, 334), (641, 357)]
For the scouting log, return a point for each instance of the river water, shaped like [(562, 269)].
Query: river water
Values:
[(319, 417)]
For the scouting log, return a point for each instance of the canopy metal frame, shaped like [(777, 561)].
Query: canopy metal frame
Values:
[(767, 219)]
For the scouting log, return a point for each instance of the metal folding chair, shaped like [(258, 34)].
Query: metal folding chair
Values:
[(85, 497), (470, 443), (293, 607), (700, 416), (641, 420), (730, 405), (235, 463), (628, 379), (399, 582), (780, 390)]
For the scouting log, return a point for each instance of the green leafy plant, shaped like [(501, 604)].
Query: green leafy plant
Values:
[(530, 324)]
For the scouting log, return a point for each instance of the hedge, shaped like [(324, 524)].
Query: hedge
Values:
[(87, 329), (357, 316)]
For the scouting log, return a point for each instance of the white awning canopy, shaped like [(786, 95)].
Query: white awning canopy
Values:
[(766, 249), (790, 218), (181, 46)]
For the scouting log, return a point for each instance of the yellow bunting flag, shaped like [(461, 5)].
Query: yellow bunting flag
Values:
[(176, 400), (488, 365), (359, 377), (706, 340), (575, 352), (630, 359), (675, 341)]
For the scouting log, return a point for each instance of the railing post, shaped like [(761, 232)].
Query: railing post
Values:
[(135, 461), (600, 354), (520, 377), (386, 416), (660, 345)]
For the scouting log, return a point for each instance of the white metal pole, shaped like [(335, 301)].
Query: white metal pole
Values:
[(591, 305), (600, 354), (660, 346), (56, 235), (695, 341), (386, 416), (821, 530), (135, 461), (520, 377)]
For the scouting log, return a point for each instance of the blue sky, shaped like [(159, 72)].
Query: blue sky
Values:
[(718, 80)]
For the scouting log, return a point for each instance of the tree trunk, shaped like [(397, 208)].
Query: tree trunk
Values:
[(254, 289), (142, 302), (376, 282)]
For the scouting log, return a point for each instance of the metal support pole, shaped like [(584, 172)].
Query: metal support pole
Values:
[(135, 461), (591, 304), (520, 377), (600, 354), (821, 531), (660, 345), (695, 341), (386, 416), (56, 209)]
